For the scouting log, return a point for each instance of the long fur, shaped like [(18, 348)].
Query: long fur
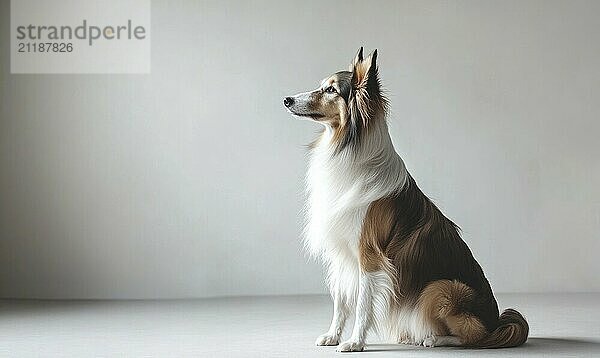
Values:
[(391, 256)]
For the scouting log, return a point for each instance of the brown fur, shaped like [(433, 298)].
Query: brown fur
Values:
[(445, 303), (512, 331), (379, 222), (435, 270)]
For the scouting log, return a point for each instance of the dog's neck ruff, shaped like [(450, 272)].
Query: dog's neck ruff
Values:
[(342, 184)]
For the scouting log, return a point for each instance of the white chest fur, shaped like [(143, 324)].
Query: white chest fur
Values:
[(341, 187), (336, 210), (336, 207)]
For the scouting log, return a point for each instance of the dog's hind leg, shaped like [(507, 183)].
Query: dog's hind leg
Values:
[(444, 302)]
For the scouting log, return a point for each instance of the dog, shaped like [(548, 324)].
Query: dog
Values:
[(392, 258)]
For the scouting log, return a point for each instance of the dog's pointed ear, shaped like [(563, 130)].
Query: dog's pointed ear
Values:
[(373, 84), (371, 63), (367, 101), (364, 73), (373, 57), (358, 58)]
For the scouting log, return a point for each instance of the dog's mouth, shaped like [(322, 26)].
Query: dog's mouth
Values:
[(312, 115)]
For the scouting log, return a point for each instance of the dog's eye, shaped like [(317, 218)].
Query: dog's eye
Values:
[(330, 89)]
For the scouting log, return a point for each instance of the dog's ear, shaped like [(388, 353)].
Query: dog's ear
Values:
[(373, 74), (357, 59), (364, 73), (366, 99)]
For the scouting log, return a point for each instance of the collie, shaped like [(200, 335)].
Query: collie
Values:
[(393, 259)]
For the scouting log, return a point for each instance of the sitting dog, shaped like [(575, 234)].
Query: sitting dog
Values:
[(392, 257)]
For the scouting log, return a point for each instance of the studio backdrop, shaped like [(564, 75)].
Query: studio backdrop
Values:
[(188, 181)]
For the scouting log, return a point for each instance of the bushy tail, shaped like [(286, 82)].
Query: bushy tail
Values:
[(512, 331)]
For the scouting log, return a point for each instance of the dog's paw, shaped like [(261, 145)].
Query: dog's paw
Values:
[(410, 342), (429, 342), (405, 338), (351, 346), (327, 340)]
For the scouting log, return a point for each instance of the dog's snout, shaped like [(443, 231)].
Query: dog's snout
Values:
[(288, 101)]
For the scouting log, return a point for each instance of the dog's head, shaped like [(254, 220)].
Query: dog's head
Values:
[(346, 101)]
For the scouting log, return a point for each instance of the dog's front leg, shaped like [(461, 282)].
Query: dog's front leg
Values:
[(364, 315), (340, 313)]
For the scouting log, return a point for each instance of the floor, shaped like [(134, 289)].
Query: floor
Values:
[(562, 325)]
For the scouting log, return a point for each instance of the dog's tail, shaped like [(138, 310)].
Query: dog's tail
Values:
[(512, 331)]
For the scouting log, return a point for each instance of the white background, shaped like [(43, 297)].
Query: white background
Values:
[(188, 182)]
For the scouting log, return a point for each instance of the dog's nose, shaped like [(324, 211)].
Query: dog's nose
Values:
[(288, 101)]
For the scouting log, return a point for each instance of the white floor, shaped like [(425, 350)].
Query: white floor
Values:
[(562, 325)]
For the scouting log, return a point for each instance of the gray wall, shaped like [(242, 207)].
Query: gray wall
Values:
[(188, 182)]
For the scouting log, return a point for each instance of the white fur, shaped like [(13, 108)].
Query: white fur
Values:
[(341, 186), (407, 325)]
